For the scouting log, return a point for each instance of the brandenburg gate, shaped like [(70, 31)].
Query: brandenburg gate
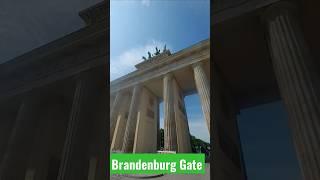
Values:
[(54, 122), (135, 98)]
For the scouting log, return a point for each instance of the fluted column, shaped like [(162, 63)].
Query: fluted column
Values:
[(87, 127), (114, 111), (203, 88), (98, 147), (298, 82), (7, 114), (131, 121), (170, 136), (120, 126), (14, 160), (64, 171)]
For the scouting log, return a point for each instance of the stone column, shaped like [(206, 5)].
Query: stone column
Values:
[(131, 121), (8, 115), (64, 171), (158, 126), (47, 143), (298, 81), (114, 111), (226, 150), (98, 151), (181, 120), (203, 88), (145, 140), (117, 141), (17, 152), (170, 136), (86, 134)]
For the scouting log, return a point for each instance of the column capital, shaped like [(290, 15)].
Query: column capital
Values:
[(168, 75), (199, 63), (137, 87), (114, 94), (118, 93), (278, 9)]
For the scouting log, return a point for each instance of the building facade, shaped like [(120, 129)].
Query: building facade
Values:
[(267, 50), (54, 99), (53, 106)]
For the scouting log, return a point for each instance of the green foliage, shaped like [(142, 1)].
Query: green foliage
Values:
[(197, 145), (161, 138)]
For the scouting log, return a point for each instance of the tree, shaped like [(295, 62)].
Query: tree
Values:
[(197, 145), (161, 138)]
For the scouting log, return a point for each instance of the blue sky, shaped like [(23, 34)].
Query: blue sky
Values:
[(267, 143), (137, 26)]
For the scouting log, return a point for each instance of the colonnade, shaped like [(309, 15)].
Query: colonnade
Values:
[(297, 75), (135, 115), (58, 137), (67, 138)]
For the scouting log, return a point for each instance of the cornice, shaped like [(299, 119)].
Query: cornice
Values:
[(94, 14)]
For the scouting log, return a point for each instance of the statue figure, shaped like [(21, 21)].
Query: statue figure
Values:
[(165, 48), (157, 51), (144, 58), (149, 55)]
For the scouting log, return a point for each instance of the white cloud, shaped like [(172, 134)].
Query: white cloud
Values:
[(125, 62), (145, 2)]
